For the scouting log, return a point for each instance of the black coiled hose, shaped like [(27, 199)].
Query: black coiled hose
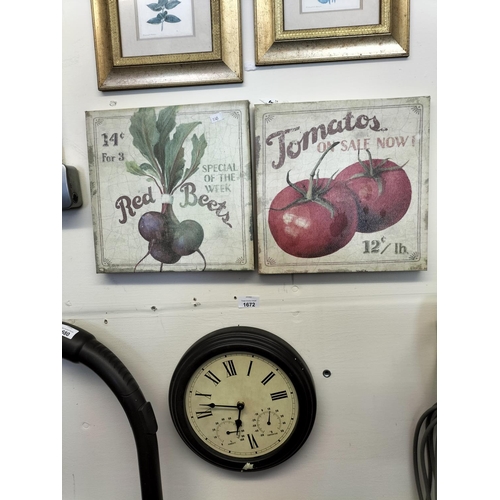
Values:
[(80, 346)]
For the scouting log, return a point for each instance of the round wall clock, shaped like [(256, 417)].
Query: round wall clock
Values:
[(242, 399)]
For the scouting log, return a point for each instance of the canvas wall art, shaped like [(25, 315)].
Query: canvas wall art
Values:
[(342, 186), (171, 188)]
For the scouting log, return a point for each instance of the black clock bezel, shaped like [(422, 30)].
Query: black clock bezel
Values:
[(254, 341)]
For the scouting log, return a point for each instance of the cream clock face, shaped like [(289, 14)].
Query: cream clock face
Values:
[(241, 404), (243, 399)]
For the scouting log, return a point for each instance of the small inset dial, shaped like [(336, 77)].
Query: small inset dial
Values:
[(228, 434), (269, 422)]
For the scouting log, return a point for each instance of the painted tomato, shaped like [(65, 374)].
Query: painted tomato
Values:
[(382, 191), (313, 220)]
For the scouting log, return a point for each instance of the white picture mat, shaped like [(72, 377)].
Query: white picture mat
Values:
[(301, 14), (192, 34), (329, 5)]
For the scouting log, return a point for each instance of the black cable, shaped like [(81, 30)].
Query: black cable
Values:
[(415, 450), (428, 449), (423, 445), (424, 454), (431, 454)]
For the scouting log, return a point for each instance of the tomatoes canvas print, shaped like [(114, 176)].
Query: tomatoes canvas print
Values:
[(342, 186), (171, 188)]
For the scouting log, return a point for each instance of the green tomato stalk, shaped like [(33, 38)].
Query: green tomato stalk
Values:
[(309, 194)]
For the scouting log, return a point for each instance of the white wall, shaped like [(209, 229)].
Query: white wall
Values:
[(376, 332)]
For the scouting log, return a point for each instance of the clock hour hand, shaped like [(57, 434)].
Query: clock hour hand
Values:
[(238, 421)]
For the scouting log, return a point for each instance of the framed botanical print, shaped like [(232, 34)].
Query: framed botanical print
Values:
[(167, 43), (301, 31)]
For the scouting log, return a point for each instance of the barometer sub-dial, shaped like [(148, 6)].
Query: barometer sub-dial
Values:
[(269, 422)]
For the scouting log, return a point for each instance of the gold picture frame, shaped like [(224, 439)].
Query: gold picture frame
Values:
[(390, 37), (222, 64)]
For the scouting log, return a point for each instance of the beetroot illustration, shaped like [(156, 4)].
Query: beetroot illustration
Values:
[(188, 236), (168, 238)]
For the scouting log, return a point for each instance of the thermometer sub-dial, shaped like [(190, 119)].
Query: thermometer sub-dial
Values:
[(226, 432), (269, 422)]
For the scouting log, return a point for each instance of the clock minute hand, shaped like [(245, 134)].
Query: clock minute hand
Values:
[(213, 405)]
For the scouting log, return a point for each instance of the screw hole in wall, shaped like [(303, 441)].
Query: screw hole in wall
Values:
[(327, 373)]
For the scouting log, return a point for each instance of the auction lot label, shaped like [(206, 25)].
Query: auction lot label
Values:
[(342, 186), (171, 188)]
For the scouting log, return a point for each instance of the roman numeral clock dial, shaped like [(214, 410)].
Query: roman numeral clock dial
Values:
[(242, 399), (265, 390)]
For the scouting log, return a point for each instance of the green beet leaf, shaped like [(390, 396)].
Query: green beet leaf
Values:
[(174, 155), (165, 125), (145, 134), (164, 152)]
